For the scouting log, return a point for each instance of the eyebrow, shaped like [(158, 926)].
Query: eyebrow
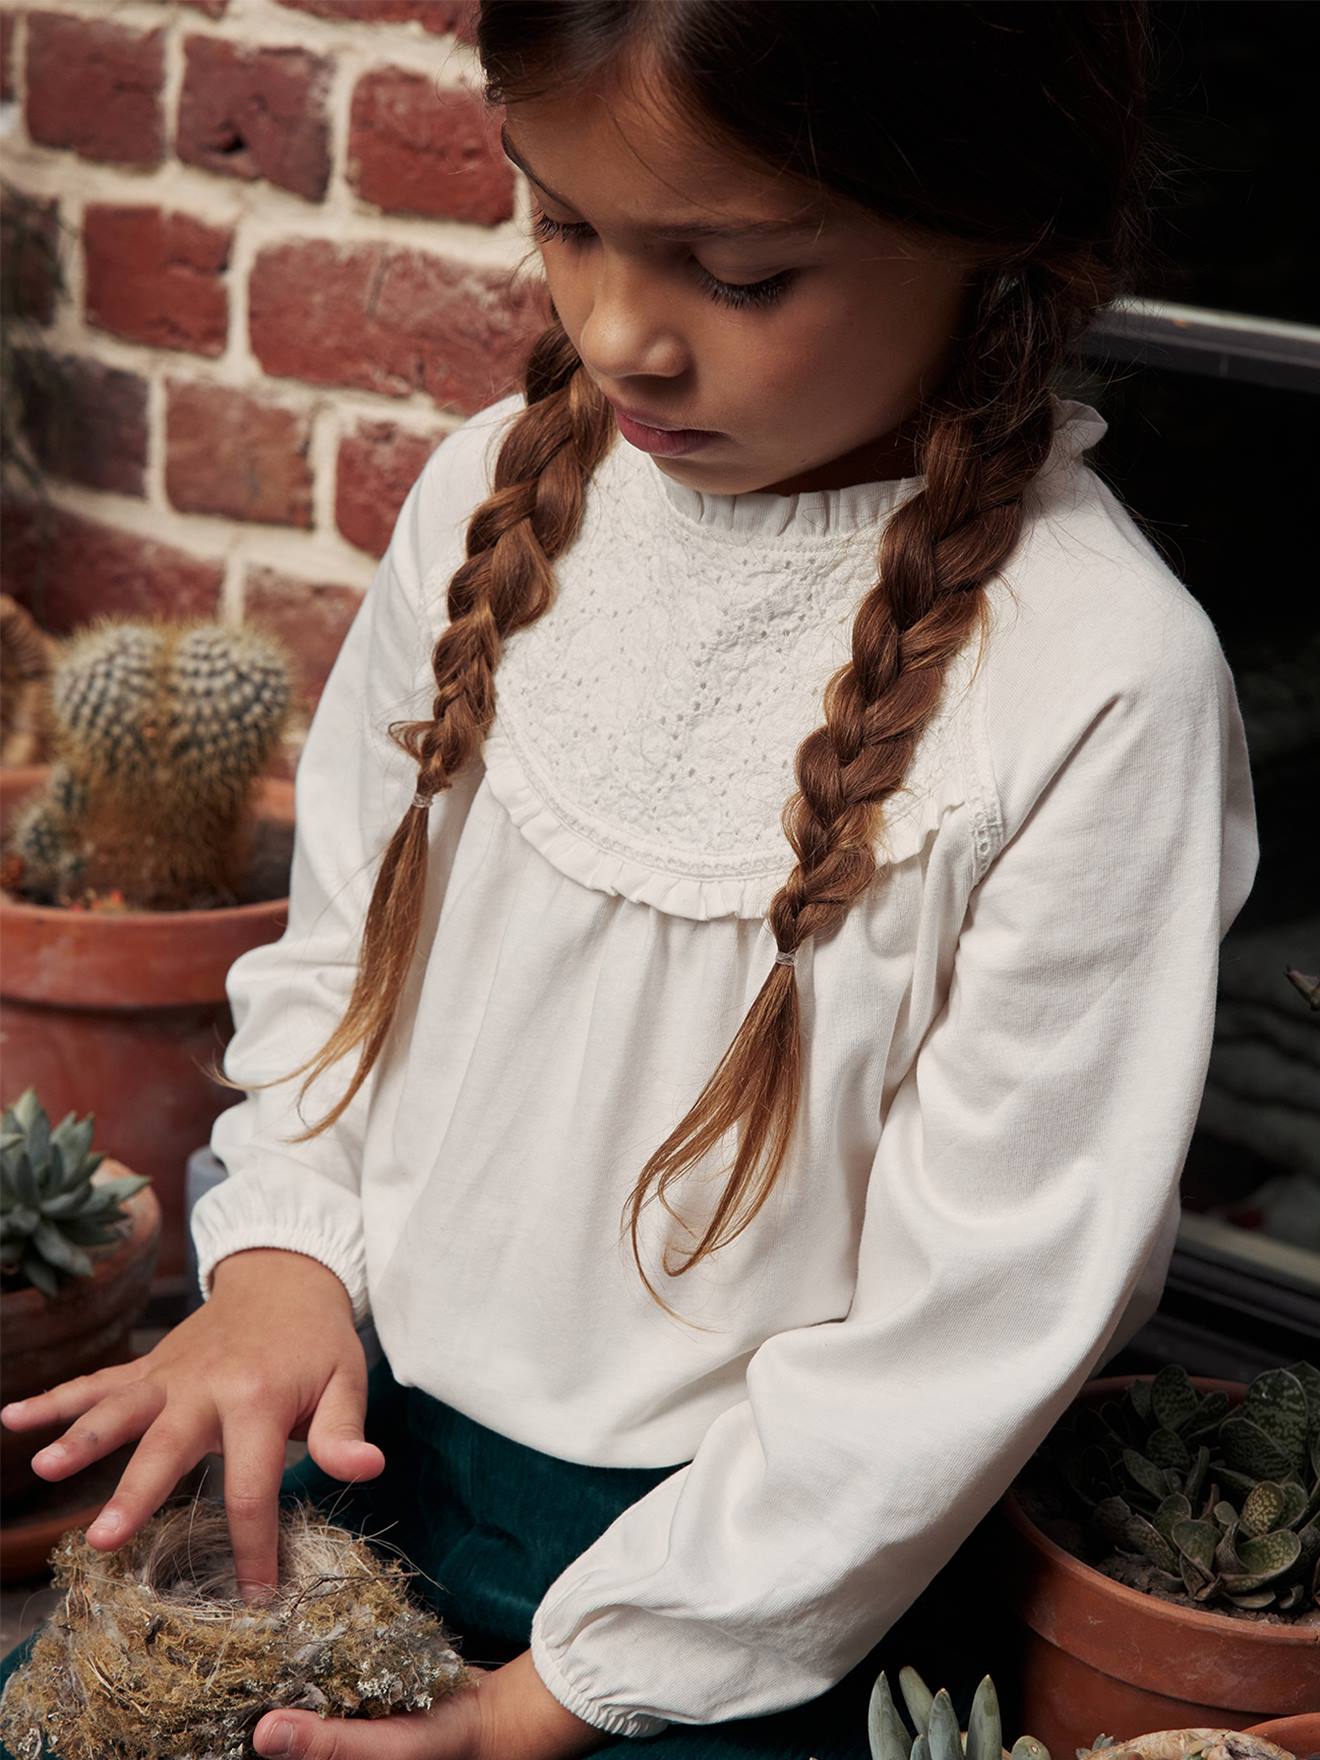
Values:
[(772, 229)]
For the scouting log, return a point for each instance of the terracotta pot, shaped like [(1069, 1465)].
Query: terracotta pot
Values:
[(87, 1326), (117, 1013), (1093, 1656), (1300, 1735)]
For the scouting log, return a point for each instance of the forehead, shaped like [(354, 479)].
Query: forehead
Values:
[(662, 181)]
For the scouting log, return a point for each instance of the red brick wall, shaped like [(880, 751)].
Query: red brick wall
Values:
[(287, 239)]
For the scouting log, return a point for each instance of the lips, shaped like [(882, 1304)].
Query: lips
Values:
[(648, 421)]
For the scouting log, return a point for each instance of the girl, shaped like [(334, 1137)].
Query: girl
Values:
[(770, 773)]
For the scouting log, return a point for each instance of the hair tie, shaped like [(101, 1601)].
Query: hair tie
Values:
[(786, 959), (422, 800)]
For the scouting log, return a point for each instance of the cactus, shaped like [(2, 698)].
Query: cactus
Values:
[(937, 1734), (50, 1211), (44, 838), (1225, 1505), (161, 730)]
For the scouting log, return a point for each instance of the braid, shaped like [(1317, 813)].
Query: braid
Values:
[(984, 436), (985, 439), (533, 515)]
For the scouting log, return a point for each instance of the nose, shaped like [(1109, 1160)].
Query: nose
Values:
[(631, 329)]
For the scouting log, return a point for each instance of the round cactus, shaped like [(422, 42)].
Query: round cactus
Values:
[(161, 730), (103, 693)]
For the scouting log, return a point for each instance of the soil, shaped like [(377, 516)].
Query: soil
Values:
[(1138, 1573)]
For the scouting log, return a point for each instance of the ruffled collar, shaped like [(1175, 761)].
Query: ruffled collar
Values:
[(829, 515)]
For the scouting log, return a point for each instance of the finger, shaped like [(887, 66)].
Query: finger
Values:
[(66, 1401), (254, 1466), (335, 1438), (102, 1428), (169, 1448), (404, 1735)]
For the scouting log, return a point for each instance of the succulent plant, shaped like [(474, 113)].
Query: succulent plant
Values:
[(1224, 1504), (50, 1211), (938, 1736), (160, 730)]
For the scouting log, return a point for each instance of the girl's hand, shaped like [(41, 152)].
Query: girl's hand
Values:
[(272, 1354), (509, 1714)]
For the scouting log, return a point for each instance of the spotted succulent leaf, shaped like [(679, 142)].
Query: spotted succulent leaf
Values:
[(1167, 1449), (1173, 1399), (1263, 1558), (1276, 1404), (1176, 1507), (1144, 1473), (1197, 1539), (1251, 1451)]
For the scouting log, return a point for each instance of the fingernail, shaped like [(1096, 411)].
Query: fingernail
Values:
[(14, 1407), (50, 1456), (107, 1523), (277, 1740)]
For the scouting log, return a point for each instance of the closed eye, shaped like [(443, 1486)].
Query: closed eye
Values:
[(729, 293)]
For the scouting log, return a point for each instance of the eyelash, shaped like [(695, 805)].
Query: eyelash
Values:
[(752, 293)]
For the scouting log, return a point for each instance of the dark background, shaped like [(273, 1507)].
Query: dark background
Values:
[(1221, 475)]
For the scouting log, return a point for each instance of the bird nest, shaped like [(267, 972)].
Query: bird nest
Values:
[(154, 1655)]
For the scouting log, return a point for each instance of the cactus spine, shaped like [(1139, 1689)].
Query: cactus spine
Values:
[(161, 730)]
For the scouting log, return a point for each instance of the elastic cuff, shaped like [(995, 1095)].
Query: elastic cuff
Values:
[(345, 1263), (616, 1723)]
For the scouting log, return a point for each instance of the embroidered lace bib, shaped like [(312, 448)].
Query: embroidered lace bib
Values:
[(648, 723)]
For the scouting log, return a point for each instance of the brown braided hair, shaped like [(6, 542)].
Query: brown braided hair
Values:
[(1052, 98)]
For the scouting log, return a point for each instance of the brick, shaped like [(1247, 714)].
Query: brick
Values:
[(310, 617), (377, 465), (85, 421), (441, 17), (95, 87), (31, 244), (66, 569), (236, 456), (256, 114), (7, 91), (413, 150), (392, 320), (157, 277)]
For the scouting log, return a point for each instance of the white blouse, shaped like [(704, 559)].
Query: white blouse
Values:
[(1004, 1046)]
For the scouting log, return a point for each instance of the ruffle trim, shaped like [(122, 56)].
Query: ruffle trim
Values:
[(910, 821), (817, 517), (619, 871)]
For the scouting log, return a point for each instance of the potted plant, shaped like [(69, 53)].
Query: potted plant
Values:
[(937, 1734), (1301, 1734), (1161, 1551), (136, 867), (79, 1235), (939, 1738)]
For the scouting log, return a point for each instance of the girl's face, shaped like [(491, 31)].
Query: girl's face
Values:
[(805, 346)]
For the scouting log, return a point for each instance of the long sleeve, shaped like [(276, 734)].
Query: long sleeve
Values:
[(1021, 1186), (352, 787)]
